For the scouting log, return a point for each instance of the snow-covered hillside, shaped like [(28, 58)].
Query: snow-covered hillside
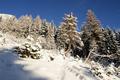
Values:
[(6, 16), (12, 67)]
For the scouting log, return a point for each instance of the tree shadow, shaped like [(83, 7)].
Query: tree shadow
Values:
[(9, 70)]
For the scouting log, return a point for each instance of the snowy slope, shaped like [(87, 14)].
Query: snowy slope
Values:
[(5, 17), (14, 68)]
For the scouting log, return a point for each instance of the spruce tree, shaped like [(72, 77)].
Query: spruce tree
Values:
[(50, 36), (67, 34), (110, 42), (117, 37), (35, 29), (43, 29), (24, 25), (99, 43), (92, 34)]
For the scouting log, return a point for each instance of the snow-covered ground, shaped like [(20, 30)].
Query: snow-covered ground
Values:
[(12, 67)]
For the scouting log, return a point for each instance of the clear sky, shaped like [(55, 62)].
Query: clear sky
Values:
[(107, 11)]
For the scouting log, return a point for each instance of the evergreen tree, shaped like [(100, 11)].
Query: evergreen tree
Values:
[(50, 36), (108, 48), (24, 25), (117, 37), (99, 43), (43, 29), (92, 34), (110, 42), (36, 25), (67, 34), (8, 25), (47, 31)]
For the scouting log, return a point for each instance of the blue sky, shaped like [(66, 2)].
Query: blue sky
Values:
[(107, 11)]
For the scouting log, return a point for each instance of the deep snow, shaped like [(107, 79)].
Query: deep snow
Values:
[(12, 67)]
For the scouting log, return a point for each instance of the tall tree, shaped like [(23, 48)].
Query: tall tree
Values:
[(24, 25), (36, 25), (67, 34), (50, 36), (92, 33), (43, 29)]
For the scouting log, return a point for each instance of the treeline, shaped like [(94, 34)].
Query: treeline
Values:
[(26, 26), (93, 42)]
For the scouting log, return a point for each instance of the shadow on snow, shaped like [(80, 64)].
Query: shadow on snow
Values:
[(9, 70)]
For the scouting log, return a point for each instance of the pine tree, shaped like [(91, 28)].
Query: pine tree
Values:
[(43, 29), (108, 48), (24, 25), (99, 43), (117, 37), (35, 29), (47, 31), (67, 34), (92, 34), (8, 25), (50, 36), (110, 42), (92, 26)]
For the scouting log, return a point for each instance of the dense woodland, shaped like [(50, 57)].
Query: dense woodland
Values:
[(93, 42)]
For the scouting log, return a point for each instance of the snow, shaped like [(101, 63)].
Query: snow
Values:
[(6, 16), (12, 67)]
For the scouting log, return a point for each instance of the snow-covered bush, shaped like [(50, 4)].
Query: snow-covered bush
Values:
[(28, 50), (105, 73)]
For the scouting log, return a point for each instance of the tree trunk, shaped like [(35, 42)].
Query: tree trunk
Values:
[(68, 49)]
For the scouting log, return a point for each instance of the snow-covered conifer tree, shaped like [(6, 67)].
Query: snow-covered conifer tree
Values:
[(67, 34)]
